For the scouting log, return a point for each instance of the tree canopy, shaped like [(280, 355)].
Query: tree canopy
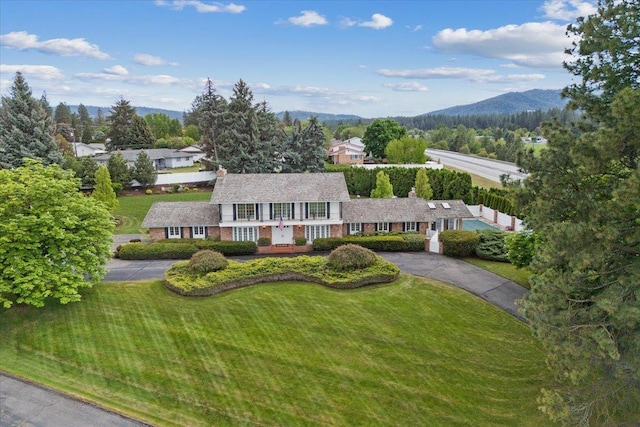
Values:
[(26, 128), (380, 133), (383, 189), (54, 240), (582, 199), (406, 150), (143, 170)]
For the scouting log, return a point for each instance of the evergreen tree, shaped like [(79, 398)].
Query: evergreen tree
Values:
[(85, 124), (103, 190), (270, 136), (99, 120), (86, 171), (583, 199), (313, 150), (139, 135), (286, 119), (423, 188), (118, 170), (26, 128), (62, 114), (207, 112), (384, 189), (121, 120), (143, 170), (290, 150)]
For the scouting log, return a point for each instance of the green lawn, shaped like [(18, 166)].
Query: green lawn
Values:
[(131, 210), (414, 352), (504, 269)]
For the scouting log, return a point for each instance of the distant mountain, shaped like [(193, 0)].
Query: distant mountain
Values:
[(141, 111), (322, 117), (509, 103)]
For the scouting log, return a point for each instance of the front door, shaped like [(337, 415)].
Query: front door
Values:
[(281, 236)]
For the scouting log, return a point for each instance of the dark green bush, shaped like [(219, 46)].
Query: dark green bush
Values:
[(327, 243), (492, 245), (157, 251), (264, 241), (350, 257), (206, 261), (300, 241), (228, 248), (459, 243), (381, 243)]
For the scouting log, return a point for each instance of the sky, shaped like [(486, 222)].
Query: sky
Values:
[(369, 58)]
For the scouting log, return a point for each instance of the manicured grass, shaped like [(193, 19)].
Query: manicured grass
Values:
[(414, 352), (131, 210), (478, 180), (194, 168), (504, 269)]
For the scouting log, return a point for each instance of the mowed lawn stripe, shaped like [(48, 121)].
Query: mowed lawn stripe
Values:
[(413, 352)]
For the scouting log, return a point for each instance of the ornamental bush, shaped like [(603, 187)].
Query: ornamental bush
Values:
[(351, 257), (206, 261), (459, 243), (492, 245)]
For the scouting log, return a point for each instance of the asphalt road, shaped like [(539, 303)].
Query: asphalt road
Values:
[(486, 168)]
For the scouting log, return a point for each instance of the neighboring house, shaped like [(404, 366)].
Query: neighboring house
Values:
[(81, 149), (283, 207), (347, 152), (162, 158), (196, 151)]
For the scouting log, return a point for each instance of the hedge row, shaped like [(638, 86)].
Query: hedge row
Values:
[(380, 243), (459, 243), (183, 249), (182, 280)]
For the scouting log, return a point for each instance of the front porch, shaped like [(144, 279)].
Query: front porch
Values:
[(284, 248)]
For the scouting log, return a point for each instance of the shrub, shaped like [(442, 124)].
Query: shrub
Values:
[(521, 248), (300, 241), (148, 192), (386, 242), (351, 257), (492, 245), (264, 241), (459, 243), (206, 261)]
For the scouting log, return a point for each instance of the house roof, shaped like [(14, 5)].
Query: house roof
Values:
[(186, 214), (153, 153), (280, 187), (402, 210)]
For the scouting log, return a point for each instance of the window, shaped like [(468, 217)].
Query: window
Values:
[(317, 210), (410, 226), (197, 232), (174, 232), (281, 210), (244, 234), (245, 211), (451, 224), (355, 227), (382, 226), (315, 232)]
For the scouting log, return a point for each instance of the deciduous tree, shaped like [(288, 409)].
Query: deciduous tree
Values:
[(380, 133), (54, 240), (406, 150)]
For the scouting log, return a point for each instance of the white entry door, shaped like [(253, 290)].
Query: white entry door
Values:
[(281, 236)]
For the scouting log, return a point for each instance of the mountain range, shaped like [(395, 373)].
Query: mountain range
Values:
[(508, 103)]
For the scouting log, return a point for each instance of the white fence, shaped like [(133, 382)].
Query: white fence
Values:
[(434, 243), (185, 177), (503, 220)]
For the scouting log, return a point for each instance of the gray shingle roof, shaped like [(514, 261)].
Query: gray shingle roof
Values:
[(280, 187), (186, 214), (402, 210), (153, 153)]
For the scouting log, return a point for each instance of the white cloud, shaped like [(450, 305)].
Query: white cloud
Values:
[(40, 72), (202, 7), (407, 87), (308, 18), (476, 75), (415, 28), (117, 70), (21, 40), (146, 59), (378, 22), (347, 22), (568, 10), (533, 44), (318, 96)]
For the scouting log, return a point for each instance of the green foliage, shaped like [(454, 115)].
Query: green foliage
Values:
[(406, 150), (26, 128), (380, 133), (459, 243), (118, 169), (384, 189), (86, 170), (103, 189), (139, 135), (180, 278), (264, 241), (422, 186), (492, 245), (143, 170), (206, 261), (192, 132), (387, 242), (121, 119), (521, 248), (350, 257), (300, 241), (53, 239), (183, 249)]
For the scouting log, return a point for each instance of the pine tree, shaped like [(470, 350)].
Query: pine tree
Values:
[(139, 135), (207, 112), (62, 114), (26, 128), (103, 190), (143, 170), (85, 124), (313, 151), (384, 189), (118, 170), (121, 120), (423, 188), (290, 149)]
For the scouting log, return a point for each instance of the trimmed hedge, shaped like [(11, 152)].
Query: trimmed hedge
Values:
[(349, 257), (183, 249), (459, 243), (181, 280), (206, 261), (492, 245), (380, 243)]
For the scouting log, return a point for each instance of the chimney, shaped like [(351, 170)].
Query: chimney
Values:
[(412, 193), (221, 172)]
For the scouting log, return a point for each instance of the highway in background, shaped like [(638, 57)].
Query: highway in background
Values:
[(486, 168)]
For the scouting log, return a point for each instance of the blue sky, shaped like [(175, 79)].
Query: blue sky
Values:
[(370, 58)]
